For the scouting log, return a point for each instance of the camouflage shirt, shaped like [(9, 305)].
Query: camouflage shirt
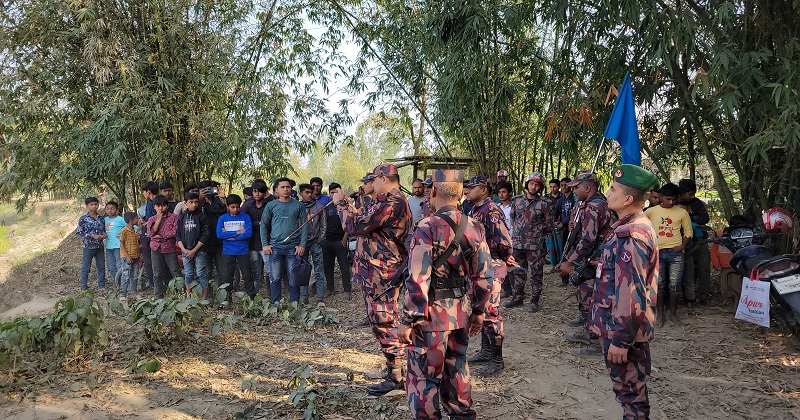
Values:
[(595, 222), (432, 236), (531, 220), (383, 227), (625, 290), (491, 216)]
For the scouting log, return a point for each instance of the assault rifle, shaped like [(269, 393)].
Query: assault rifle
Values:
[(583, 270)]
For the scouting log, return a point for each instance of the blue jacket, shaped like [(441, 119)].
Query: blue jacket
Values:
[(233, 243)]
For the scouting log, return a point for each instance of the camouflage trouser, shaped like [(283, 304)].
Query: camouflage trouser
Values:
[(630, 380), (493, 322), (383, 316), (533, 262), (437, 369), (584, 296)]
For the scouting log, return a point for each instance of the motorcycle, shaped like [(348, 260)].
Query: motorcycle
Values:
[(753, 257)]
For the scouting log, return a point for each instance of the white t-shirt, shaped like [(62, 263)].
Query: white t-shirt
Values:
[(416, 207), (507, 212)]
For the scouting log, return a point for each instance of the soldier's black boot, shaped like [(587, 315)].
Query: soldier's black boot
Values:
[(495, 364), (514, 302), (534, 305), (485, 354), (394, 380), (579, 321)]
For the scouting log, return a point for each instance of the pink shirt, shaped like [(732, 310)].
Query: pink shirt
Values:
[(167, 230)]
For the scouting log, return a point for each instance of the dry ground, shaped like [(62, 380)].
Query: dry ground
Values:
[(712, 366)]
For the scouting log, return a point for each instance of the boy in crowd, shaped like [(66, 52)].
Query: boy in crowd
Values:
[(278, 224), (255, 209), (316, 230), (654, 199), (319, 197), (193, 232), (168, 190), (114, 224), (130, 251), (181, 206), (92, 231), (247, 193), (235, 230), (674, 230), (213, 207), (149, 191), (162, 229)]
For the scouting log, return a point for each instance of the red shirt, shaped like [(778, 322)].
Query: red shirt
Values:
[(167, 230)]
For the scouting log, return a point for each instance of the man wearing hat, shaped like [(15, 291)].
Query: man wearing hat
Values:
[(502, 175), (427, 184), (594, 221), (383, 258), (532, 220), (360, 269), (625, 290), (491, 216), (449, 259)]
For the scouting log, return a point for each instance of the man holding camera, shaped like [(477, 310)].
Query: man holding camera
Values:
[(594, 220)]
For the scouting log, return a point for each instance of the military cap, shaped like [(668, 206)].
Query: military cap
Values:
[(368, 177), (583, 176), (635, 177), (384, 169), (502, 172), (476, 181), (428, 181), (535, 177), (448, 175)]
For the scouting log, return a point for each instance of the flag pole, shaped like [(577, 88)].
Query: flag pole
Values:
[(597, 156)]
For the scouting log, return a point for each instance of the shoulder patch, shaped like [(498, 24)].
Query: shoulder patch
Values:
[(623, 231)]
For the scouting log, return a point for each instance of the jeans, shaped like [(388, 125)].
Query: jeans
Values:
[(100, 264), (281, 261), (213, 259), (313, 254), (195, 268), (165, 268), (230, 263), (333, 251), (112, 261), (129, 275), (670, 270), (148, 263), (257, 268)]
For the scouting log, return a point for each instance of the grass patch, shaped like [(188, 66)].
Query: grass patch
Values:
[(5, 244)]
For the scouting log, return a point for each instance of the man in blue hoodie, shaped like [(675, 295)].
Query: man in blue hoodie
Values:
[(235, 229)]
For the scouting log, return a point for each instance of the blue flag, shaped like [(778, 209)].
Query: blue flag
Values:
[(622, 125)]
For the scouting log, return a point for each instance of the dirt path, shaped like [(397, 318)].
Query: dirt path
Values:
[(711, 367)]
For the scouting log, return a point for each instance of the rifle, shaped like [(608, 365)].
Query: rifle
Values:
[(307, 221), (572, 238), (397, 280)]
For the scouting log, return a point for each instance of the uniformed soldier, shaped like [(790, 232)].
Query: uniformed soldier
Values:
[(532, 220), (625, 290), (594, 223), (382, 258), (365, 203), (436, 320), (491, 216)]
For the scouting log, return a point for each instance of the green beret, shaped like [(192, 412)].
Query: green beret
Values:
[(448, 175), (635, 177)]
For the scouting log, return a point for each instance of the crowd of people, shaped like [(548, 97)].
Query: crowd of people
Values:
[(450, 239)]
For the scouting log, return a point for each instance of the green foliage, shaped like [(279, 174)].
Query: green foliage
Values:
[(304, 392), (76, 330), (5, 244), (292, 313)]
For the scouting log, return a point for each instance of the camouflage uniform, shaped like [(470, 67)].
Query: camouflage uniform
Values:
[(532, 220), (380, 255), (437, 362), (595, 223), (622, 310), (489, 214)]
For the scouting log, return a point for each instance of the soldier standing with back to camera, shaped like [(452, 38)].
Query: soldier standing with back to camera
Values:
[(625, 290), (384, 229), (443, 268), (491, 216), (532, 220), (594, 222)]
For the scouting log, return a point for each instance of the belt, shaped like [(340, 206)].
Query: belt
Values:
[(447, 288)]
